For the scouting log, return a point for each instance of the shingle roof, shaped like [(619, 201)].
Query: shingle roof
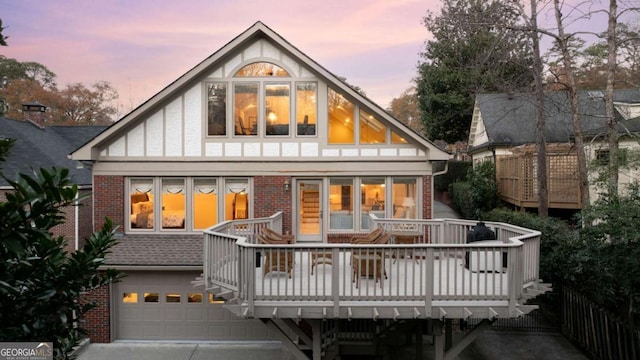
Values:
[(37, 147), (509, 119), (154, 250)]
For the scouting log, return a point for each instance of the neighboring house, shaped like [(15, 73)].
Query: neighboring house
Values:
[(257, 127), (39, 146), (503, 130)]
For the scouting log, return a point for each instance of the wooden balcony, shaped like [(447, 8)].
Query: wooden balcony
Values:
[(437, 277)]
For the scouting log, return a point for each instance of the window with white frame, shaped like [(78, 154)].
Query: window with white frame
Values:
[(385, 197), (186, 203)]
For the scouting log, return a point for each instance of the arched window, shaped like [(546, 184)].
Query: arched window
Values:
[(261, 69)]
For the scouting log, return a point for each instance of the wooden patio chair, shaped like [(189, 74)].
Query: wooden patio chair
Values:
[(373, 235), (326, 256), (369, 262), (276, 259), (272, 234), (290, 239)]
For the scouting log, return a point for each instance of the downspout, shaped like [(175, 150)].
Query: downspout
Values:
[(77, 221), (444, 171), (446, 168)]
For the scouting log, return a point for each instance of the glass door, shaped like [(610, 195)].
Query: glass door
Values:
[(309, 222)]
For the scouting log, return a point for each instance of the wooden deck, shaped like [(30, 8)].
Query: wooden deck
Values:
[(426, 280), (517, 180)]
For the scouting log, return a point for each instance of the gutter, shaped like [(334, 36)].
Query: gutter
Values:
[(446, 169), (152, 267)]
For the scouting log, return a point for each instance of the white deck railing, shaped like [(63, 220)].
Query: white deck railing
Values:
[(439, 268)]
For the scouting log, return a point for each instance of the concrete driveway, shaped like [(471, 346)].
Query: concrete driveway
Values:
[(147, 350)]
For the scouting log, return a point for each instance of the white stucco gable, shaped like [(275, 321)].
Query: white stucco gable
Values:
[(172, 124), (478, 133)]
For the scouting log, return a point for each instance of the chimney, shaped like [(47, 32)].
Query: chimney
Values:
[(35, 113)]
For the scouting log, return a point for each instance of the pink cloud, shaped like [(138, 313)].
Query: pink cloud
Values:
[(141, 46)]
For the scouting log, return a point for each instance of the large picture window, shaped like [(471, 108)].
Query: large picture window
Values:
[(385, 197), (264, 99), (186, 203)]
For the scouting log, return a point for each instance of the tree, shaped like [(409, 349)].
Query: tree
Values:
[(5, 147), (3, 103), (612, 129), (76, 104), (531, 29), (614, 237), (405, 109), (3, 39), (590, 61), (41, 285), (12, 69), (79, 105), (20, 91), (564, 44), (473, 50)]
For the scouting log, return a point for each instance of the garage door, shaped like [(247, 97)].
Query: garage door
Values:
[(166, 306)]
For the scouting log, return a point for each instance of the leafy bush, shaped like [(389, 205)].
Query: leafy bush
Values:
[(460, 199), (41, 285), (478, 193), (558, 244), (612, 239)]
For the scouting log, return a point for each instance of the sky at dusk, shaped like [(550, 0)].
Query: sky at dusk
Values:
[(143, 45)]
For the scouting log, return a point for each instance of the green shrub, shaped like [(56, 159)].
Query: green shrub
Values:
[(559, 244), (461, 200), (456, 171), (477, 194)]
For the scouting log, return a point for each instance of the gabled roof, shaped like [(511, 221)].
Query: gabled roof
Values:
[(37, 147), (258, 31), (510, 119)]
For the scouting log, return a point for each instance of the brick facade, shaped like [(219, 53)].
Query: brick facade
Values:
[(85, 216), (108, 200), (270, 196), (97, 321), (427, 199)]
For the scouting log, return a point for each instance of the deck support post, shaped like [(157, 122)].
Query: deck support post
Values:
[(448, 334), (316, 348), (443, 349), (286, 340), (438, 341), (417, 330)]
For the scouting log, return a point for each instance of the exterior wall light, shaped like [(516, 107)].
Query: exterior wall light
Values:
[(287, 185)]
